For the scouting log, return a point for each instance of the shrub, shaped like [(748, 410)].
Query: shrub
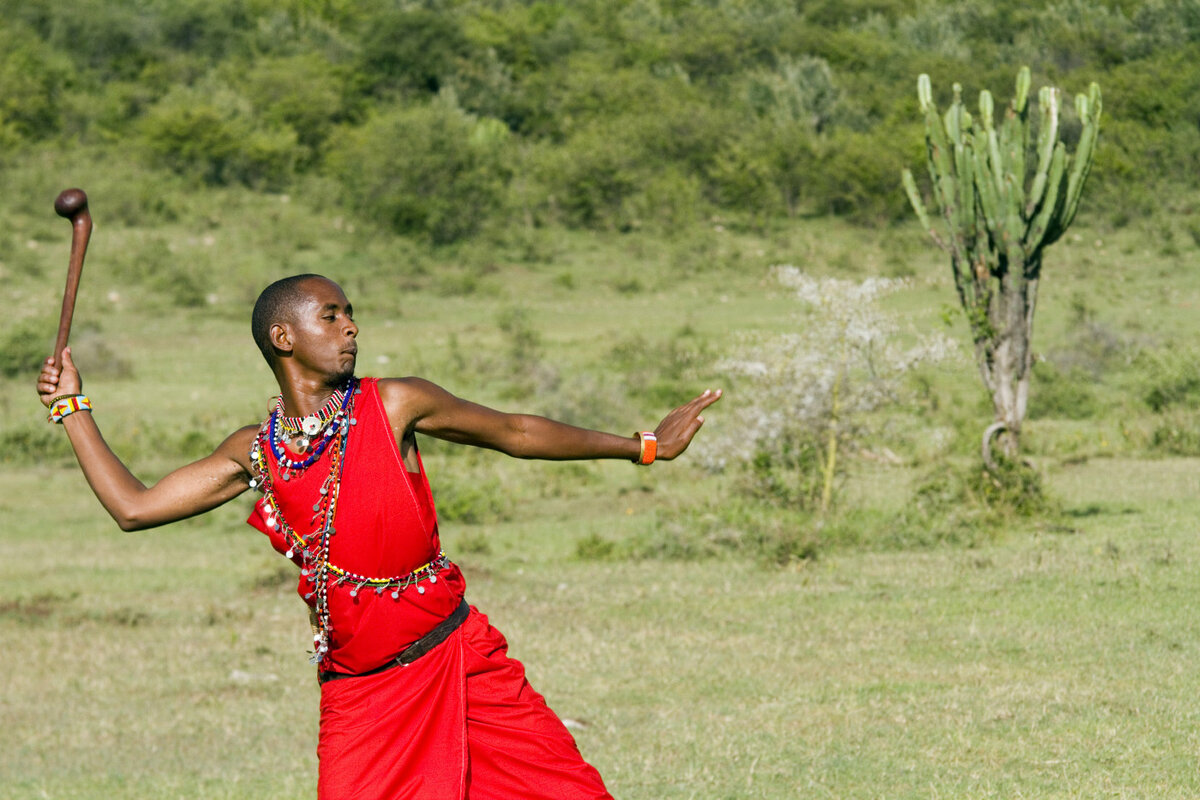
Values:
[(304, 92), (24, 346), (857, 175), (1061, 395), (33, 76), (964, 505), (212, 135), (788, 472), (595, 176), (1178, 434), (432, 170), (410, 50), (472, 501), (807, 392), (733, 528), (34, 442), (1173, 379)]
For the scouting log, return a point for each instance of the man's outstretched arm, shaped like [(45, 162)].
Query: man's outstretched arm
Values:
[(190, 490), (416, 404)]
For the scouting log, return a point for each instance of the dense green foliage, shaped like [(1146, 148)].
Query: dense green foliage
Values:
[(445, 118)]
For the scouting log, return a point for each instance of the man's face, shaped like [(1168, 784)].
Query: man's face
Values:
[(323, 331)]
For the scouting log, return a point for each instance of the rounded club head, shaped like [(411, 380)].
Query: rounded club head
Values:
[(70, 202)]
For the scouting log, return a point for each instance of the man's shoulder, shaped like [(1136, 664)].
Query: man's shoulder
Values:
[(407, 386), (236, 446), (406, 399)]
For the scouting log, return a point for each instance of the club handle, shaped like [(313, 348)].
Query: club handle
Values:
[(72, 204)]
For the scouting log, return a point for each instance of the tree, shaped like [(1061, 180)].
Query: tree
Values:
[(1001, 211)]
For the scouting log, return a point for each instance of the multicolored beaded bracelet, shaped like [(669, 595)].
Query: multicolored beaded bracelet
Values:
[(63, 407)]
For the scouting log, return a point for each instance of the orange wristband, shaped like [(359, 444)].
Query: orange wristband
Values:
[(649, 448)]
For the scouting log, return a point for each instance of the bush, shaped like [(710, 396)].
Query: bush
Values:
[(212, 135), (33, 76), (788, 473), (733, 528), (432, 170), (410, 50), (304, 92), (34, 442), (1061, 395), (1173, 380), (24, 346), (964, 505), (857, 175), (471, 501), (594, 177), (1177, 435)]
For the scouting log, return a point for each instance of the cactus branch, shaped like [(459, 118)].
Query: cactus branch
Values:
[(910, 187), (1047, 137)]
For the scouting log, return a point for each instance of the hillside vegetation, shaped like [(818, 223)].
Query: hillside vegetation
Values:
[(602, 114)]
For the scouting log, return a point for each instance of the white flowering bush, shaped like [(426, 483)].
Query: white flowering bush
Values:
[(803, 395)]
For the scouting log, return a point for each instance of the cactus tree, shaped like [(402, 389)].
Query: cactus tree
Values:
[(1004, 198)]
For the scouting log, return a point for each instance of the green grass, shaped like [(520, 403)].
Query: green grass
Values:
[(1042, 665), (1051, 658)]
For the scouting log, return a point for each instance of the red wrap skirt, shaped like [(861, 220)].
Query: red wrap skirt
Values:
[(460, 722)]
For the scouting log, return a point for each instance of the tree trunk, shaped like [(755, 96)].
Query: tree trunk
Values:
[(1007, 364)]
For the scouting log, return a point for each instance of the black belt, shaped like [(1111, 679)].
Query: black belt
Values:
[(415, 650)]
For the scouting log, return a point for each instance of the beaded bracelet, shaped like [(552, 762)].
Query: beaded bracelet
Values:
[(649, 448), (63, 407)]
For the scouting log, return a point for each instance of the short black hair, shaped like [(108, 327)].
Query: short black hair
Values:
[(276, 303)]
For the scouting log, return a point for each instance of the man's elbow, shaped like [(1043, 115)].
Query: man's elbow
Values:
[(131, 520), (129, 523)]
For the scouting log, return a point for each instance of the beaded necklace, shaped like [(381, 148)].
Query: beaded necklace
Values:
[(299, 431), (313, 549)]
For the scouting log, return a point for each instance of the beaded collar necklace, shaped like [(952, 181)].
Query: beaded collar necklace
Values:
[(298, 432), (317, 420), (312, 550)]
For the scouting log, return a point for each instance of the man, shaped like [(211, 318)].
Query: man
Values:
[(418, 696)]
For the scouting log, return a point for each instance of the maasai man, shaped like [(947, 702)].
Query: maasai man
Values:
[(418, 696)]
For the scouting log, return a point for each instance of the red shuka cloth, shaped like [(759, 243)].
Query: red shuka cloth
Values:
[(460, 722)]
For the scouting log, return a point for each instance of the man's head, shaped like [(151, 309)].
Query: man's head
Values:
[(306, 318)]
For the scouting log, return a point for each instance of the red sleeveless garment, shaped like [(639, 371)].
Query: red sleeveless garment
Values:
[(386, 527), (460, 722)]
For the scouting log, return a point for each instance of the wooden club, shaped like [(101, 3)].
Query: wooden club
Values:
[(72, 204)]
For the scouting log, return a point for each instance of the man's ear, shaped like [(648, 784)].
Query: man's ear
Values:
[(280, 336)]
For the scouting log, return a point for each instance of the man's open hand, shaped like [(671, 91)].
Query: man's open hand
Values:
[(676, 430)]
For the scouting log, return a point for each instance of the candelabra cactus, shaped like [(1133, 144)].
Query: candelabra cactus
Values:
[(1003, 200)]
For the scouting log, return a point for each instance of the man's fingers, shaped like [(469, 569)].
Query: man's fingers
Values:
[(699, 404), (709, 397)]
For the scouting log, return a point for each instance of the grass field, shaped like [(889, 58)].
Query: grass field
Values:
[(1041, 665), (1053, 658)]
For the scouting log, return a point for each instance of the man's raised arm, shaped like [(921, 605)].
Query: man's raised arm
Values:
[(189, 490), (415, 404)]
